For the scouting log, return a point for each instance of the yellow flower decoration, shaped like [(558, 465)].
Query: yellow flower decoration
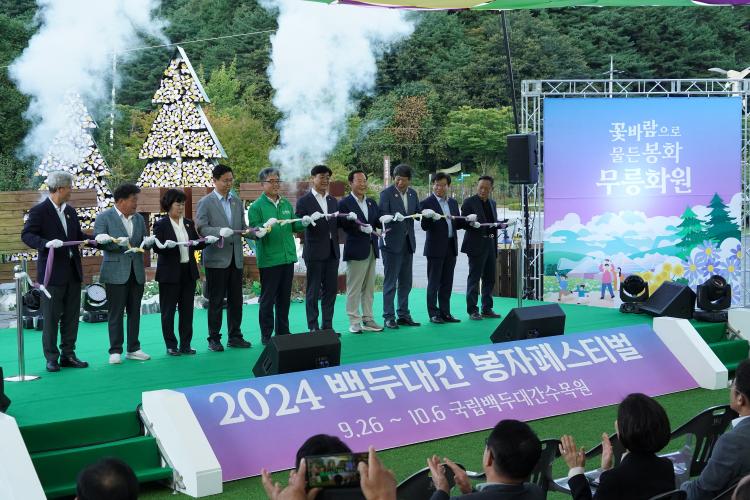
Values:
[(678, 271), (666, 267)]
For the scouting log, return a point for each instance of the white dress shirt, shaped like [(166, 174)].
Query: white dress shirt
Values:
[(321, 199), (362, 205), (61, 215), (182, 236), (127, 222), (405, 199)]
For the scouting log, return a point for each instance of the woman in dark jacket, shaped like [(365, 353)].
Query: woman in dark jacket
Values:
[(176, 271), (642, 427)]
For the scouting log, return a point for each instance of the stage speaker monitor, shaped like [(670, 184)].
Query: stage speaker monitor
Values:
[(295, 353), (522, 159), (4, 400), (529, 323), (671, 299)]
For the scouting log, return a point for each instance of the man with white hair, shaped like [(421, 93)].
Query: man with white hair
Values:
[(51, 223)]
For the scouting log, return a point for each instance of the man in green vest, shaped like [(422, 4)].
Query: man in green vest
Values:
[(276, 253)]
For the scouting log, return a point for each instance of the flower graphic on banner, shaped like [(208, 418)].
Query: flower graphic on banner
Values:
[(693, 270), (737, 253), (731, 270), (708, 249), (712, 266)]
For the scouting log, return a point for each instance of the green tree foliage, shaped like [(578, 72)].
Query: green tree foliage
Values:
[(720, 226), (690, 231), (480, 133), (246, 140)]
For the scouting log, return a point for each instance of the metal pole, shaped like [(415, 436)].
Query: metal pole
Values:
[(20, 276), (518, 240)]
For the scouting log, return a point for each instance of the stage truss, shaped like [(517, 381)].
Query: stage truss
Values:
[(533, 94)]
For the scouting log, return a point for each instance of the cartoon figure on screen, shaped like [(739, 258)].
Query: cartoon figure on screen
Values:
[(562, 282), (606, 278), (582, 295)]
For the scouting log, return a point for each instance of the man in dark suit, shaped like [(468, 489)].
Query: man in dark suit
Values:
[(320, 249), (222, 214), (49, 224), (730, 459), (360, 253), (397, 202), (440, 247), (118, 231), (480, 245), (510, 456)]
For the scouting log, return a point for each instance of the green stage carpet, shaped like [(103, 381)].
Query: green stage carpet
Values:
[(96, 405)]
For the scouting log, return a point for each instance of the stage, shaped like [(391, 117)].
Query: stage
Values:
[(92, 411)]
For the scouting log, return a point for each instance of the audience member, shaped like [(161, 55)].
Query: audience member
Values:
[(320, 444), (730, 459), (107, 479), (376, 482), (742, 491), (511, 454), (642, 426)]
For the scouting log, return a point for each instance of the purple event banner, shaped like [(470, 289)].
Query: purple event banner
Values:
[(261, 422)]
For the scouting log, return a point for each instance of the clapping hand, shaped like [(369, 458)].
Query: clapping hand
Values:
[(573, 456)]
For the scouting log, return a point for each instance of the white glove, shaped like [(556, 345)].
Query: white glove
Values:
[(475, 225), (429, 213), (170, 243), (386, 219), (307, 220), (270, 222), (226, 232), (436, 216), (211, 239), (122, 241), (54, 244), (261, 232), (317, 215), (471, 218), (366, 229), (149, 241), (399, 217), (103, 239), (351, 216)]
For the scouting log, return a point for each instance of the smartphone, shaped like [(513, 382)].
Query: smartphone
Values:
[(334, 471)]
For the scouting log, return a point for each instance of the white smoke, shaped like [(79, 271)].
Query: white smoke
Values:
[(322, 57), (72, 52)]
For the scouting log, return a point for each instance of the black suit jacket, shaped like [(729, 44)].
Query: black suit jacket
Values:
[(168, 263), (638, 477), (357, 245), (525, 491), (44, 225), (323, 238), (474, 239), (436, 240)]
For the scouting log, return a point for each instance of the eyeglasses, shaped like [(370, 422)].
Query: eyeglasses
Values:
[(274, 182)]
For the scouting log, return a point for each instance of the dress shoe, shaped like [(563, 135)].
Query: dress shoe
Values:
[(475, 316), (72, 362), (391, 323), (265, 340), (407, 321), (437, 319), (215, 346), (53, 366), (240, 342), (489, 313), (173, 352), (187, 350), (449, 318)]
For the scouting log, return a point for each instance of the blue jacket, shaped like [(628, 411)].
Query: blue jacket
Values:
[(357, 245), (399, 232)]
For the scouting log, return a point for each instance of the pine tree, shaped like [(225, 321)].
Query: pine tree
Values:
[(690, 232), (74, 150), (181, 148), (720, 226)]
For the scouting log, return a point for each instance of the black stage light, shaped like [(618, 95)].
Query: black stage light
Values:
[(633, 291), (714, 298), (95, 304), (31, 310)]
